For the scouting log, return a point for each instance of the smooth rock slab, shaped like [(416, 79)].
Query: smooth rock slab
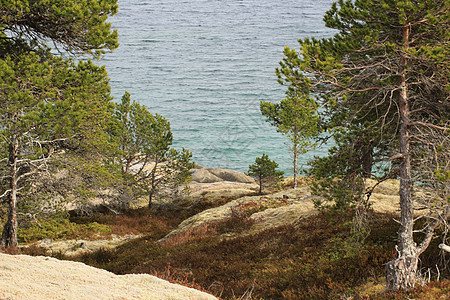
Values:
[(210, 175), (28, 277)]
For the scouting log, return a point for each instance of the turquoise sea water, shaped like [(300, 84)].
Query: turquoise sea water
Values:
[(206, 64)]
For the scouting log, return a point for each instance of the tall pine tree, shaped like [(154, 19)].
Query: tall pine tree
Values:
[(295, 116), (46, 102), (384, 75)]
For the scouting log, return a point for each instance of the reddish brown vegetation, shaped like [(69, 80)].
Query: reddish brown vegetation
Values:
[(312, 259), (155, 223), (317, 258)]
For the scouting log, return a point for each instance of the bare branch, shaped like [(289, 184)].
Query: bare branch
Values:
[(4, 194), (430, 125), (429, 230), (444, 247)]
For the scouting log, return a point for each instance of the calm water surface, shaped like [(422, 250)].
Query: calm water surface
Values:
[(206, 64)]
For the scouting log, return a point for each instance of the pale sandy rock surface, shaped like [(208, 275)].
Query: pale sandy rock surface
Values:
[(209, 186), (385, 197), (285, 207), (209, 175), (274, 210), (218, 187), (204, 176), (215, 193), (233, 176), (27, 277)]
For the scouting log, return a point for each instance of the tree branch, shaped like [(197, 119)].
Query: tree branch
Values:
[(444, 247), (430, 125), (4, 194), (430, 230)]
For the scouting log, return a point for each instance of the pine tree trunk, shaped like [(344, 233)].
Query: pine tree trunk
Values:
[(367, 160), (295, 155), (9, 234), (401, 272), (295, 166), (260, 184), (152, 184), (150, 196)]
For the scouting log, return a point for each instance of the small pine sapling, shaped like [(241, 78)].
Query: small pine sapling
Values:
[(265, 171)]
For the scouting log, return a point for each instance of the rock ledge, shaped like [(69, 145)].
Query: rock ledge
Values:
[(28, 277)]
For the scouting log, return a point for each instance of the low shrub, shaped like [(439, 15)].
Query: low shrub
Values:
[(315, 259), (34, 250), (10, 250), (61, 229), (182, 278), (433, 290), (152, 222), (191, 235)]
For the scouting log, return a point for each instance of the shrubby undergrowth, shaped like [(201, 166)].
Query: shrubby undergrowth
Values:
[(61, 229), (317, 258)]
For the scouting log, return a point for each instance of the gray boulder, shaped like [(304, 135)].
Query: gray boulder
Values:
[(211, 175), (233, 176), (204, 176)]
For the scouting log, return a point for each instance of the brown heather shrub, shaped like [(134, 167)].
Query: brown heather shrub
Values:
[(156, 223), (191, 235), (247, 208), (181, 278), (433, 290), (10, 250), (315, 259), (238, 222), (102, 256), (34, 250)]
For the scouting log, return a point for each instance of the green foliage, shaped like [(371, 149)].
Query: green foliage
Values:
[(48, 104), (46, 109), (356, 75), (382, 80), (56, 229), (338, 178), (441, 175), (336, 194), (145, 150), (265, 171), (76, 26), (295, 116)]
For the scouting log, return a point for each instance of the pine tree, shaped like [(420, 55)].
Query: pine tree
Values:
[(265, 171), (295, 116), (47, 103), (145, 150), (386, 72), (76, 27)]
